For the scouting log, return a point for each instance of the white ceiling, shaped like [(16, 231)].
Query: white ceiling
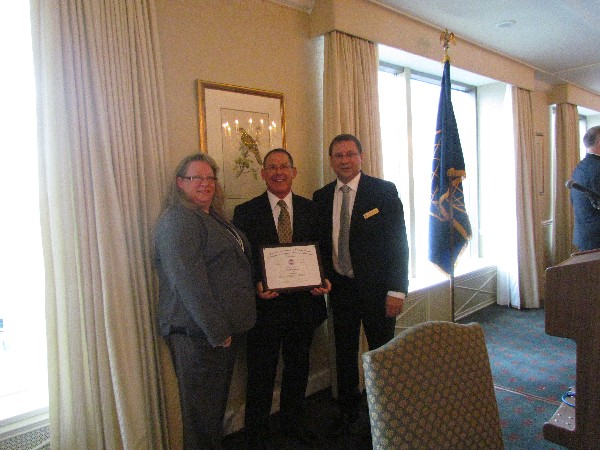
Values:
[(558, 38)]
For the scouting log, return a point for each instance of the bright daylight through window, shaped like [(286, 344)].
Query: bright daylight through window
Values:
[(23, 363), (408, 109)]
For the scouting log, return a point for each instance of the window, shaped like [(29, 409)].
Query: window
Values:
[(582, 123), (23, 362), (582, 130), (408, 111)]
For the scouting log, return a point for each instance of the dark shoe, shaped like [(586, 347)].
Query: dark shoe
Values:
[(361, 427), (344, 422), (257, 441), (301, 435)]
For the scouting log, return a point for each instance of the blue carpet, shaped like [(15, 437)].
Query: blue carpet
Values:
[(522, 418), (523, 357), (531, 371)]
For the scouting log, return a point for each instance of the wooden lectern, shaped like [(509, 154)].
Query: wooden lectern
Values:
[(573, 311)]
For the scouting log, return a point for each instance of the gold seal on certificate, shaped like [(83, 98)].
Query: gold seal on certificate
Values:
[(291, 267)]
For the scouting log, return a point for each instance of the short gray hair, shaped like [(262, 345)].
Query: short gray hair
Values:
[(592, 137)]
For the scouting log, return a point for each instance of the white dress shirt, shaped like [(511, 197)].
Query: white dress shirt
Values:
[(276, 209)]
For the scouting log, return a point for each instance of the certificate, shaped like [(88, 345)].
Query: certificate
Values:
[(291, 267)]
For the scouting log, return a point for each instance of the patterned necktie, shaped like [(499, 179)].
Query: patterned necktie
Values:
[(284, 224), (344, 262)]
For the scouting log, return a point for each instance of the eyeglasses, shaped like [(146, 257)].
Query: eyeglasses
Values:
[(340, 156), (273, 167), (200, 179)]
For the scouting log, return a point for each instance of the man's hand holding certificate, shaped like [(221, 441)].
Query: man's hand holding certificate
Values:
[(293, 267)]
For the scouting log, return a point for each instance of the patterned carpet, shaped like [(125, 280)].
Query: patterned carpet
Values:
[(531, 371)]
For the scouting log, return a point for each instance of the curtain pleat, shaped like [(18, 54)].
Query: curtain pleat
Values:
[(566, 158), (102, 141), (499, 170), (529, 238), (350, 98)]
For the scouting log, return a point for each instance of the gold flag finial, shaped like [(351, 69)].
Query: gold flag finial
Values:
[(447, 38)]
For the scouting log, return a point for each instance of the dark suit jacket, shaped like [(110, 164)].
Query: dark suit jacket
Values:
[(378, 244), (255, 219), (205, 279), (586, 233)]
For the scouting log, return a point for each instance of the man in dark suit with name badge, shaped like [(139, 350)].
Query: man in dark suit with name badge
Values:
[(285, 321), (365, 255)]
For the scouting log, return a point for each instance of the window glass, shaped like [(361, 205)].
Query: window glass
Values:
[(408, 111), (23, 362), (582, 130)]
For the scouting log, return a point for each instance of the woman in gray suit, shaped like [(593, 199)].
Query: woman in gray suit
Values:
[(206, 296)]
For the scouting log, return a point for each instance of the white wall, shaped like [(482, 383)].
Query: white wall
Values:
[(593, 121)]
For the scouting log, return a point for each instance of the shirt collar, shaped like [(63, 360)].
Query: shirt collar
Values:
[(353, 183), (273, 199)]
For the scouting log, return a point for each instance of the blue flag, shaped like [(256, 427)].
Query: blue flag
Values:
[(449, 227)]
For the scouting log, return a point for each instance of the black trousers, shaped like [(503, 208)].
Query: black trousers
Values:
[(203, 375), (265, 341), (352, 305)]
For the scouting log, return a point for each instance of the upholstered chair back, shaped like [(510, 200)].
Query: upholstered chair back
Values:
[(431, 387)]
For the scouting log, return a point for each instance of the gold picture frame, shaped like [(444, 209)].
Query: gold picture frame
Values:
[(238, 126)]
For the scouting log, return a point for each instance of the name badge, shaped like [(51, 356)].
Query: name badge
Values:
[(371, 213)]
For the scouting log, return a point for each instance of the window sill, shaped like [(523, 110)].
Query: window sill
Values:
[(436, 276), (24, 423)]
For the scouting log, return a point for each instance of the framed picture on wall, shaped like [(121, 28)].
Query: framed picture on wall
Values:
[(238, 126)]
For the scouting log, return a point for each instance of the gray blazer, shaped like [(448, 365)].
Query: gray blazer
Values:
[(205, 277)]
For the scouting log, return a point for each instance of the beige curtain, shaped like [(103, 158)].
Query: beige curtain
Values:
[(102, 140), (567, 157), (529, 239), (350, 98)]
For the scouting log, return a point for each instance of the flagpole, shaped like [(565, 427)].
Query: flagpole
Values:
[(452, 248), (449, 226), (447, 38)]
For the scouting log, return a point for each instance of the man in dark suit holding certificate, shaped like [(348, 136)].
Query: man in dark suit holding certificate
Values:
[(365, 255), (285, 321)]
